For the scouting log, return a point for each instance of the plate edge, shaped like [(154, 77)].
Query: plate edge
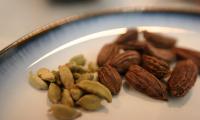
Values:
[(70, 19)]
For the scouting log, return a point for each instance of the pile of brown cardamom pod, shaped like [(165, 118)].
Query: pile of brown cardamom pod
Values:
[(144, 63)]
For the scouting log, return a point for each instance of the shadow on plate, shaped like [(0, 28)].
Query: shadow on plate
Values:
[(132, 92), (116, 103), (179, 102)]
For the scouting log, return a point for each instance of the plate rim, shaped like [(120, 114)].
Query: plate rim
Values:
[(66, 20)]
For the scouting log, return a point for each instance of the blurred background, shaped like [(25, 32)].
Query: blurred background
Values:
[(19, 17)]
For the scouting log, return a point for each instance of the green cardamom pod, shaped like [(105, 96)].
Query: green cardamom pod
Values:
[(96, 88), (90, 102), (76, 68), (79, 60), (46, 74), (54, 93), (64, 112), (76, 93), (57, 77), (76, 75), (66, 76), (92, 67), (87, 76), (66, 98), (95, 76), (37, 82)]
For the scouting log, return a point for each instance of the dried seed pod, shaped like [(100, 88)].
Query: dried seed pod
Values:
[(76, 68), (159, 41), (124, 60), (76, 93), (78, 59), (54, 93), (106, 53), (184, 53), (140, 46), (46, 74), (145, 82), (66, 98), (90, 102), (87, 76), (37, 82), (96, 88), (64, 112), (166, 55), (157, 67), (130, 35), (57, 77), (109, 77), (66, 77), (183, 78), (95, 76), (76, 76), (92, 67)]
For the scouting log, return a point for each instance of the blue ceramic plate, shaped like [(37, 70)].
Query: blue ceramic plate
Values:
[(55, 43)]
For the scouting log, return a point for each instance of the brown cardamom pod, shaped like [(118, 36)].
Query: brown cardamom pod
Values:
[(106, 53), (124, 60), (183, 78), (109, 77), (159, 41), (145, 82), (164, 54), (140, 46), (183, 53), (130, 35), (157, 67)]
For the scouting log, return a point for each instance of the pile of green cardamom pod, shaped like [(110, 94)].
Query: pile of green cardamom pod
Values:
[(70, 87)]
